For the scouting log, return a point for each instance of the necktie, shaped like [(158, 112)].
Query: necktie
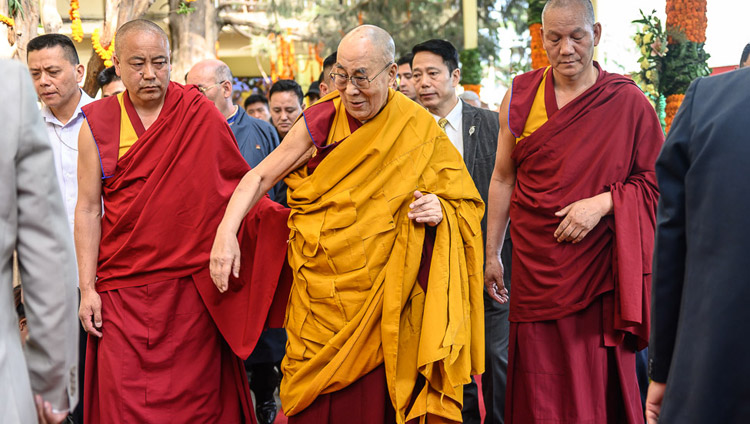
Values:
[(442, 122)]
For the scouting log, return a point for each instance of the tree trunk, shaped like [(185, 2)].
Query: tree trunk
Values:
[(25, 30), (51, 20), (116, 13), (193, 35)]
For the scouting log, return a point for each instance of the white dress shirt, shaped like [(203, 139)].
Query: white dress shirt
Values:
[(64, 140), (454, 127)]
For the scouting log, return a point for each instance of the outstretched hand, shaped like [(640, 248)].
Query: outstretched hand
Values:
[(426, 209), (225, 258)]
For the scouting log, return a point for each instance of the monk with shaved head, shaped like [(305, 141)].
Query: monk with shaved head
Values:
[(575, 174), (160, 158), (385, 314)]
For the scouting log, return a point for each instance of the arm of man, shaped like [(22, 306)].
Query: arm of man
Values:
[(669, 253), (498, 205), (46, 258), (88, 230), (293, 152)]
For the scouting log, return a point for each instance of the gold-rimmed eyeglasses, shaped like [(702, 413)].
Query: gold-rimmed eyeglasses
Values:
[(205, 89), (359, 81)]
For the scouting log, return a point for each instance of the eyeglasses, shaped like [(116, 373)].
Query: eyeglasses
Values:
[(361, 82), (205, 89)]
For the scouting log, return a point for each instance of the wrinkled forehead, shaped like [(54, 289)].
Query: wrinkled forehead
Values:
[(359, 57), (144, 44)]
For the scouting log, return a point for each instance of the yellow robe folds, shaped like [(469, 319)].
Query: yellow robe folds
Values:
[(355, 301)]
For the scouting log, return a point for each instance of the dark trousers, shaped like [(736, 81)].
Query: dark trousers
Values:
[(496, 331)]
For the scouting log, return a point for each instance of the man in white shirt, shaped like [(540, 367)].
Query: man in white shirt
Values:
[(56, 73), (474, 132)]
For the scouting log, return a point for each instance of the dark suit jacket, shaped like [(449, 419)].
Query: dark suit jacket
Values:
[(480, 130), (701, 285)]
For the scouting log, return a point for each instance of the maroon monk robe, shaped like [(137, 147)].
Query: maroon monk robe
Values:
[(606, 139), (163, 201)]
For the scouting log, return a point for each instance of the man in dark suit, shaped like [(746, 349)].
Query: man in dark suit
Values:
[(473, 132), (699, 354)]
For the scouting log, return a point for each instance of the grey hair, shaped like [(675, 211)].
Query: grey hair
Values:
[(586, 5)]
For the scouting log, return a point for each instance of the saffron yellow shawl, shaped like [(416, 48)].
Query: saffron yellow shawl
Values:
[(355, 301)]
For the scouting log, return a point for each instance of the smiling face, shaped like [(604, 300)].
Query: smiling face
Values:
[(143, 65), (55, 78), (569, 40), (358, 57)]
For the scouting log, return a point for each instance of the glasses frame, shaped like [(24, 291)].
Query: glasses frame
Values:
[(203, 90), (359, 78)]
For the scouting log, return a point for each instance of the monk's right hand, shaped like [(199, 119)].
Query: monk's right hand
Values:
[(90, 312), (493, 281), (225, 258), (45, 414)]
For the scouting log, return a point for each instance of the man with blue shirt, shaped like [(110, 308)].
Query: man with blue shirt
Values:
[(255, 138)]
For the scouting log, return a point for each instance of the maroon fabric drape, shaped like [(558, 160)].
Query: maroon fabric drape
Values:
[(607, 139)]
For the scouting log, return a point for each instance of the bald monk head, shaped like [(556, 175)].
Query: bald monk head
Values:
[(569, 34), (366, 54), (141, 60), (214, 78)]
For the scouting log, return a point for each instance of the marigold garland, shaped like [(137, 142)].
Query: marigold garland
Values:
[(673, 105), (538, 54), (104, 53), (7, 21), (686, 18), (76, 27), (472, 87)]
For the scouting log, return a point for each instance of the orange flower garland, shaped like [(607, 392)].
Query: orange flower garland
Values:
[(538, 55), (105, 54), (673, 104), (472, 87), (7, 21), (75, 21), (688, 17)]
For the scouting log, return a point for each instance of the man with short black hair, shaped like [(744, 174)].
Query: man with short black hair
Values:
[(474, 133), (286, 99), (109, 82), (404, 76), (313, 93), (745, 58), (256, 105), (56, 73), (325, 83)]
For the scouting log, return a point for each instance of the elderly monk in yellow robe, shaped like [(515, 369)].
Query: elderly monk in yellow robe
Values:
[(385, 315)]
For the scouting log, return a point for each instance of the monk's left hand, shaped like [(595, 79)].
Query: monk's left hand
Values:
[(426, 209), (581, 217)]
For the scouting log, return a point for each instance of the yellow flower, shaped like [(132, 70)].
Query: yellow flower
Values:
[(650, 88), (648, 38), (645, 64), (644, 50), (638, 39), (650, 75)]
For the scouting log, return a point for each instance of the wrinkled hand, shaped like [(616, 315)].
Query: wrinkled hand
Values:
[(493, 281), (580, 218), (225, 257), (90, 312), (653, 401), (44, 412), (426, 209)]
